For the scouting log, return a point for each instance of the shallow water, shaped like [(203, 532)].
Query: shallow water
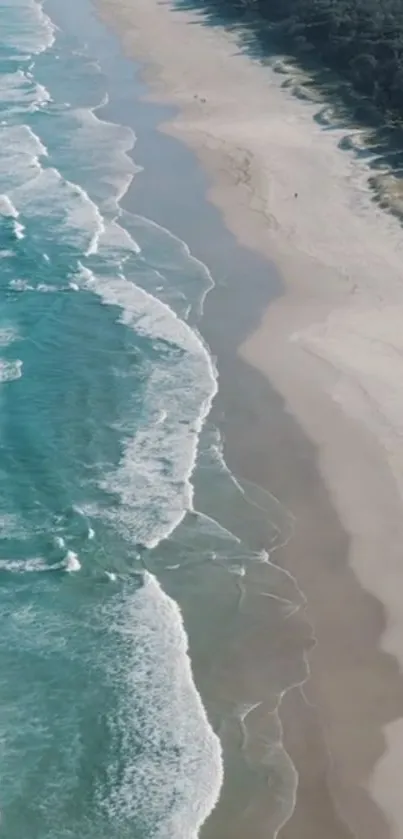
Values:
[(105, 387)]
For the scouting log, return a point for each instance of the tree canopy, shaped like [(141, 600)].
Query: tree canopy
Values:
[(362, 40)]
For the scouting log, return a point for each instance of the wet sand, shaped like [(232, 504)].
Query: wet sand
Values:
[(331, 347)]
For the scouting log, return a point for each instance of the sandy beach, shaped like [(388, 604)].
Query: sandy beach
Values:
[(332, 347)]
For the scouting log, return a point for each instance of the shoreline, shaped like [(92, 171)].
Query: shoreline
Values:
[(312, 375)]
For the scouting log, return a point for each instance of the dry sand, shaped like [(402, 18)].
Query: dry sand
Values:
[(333, 347)]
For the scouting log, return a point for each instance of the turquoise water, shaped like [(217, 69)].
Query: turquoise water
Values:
[(103, 390), (105, 386)]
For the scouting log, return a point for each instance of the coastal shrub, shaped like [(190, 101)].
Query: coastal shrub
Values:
[(362, 40)]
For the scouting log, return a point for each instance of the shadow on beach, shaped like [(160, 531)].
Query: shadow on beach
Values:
[(376, 140)]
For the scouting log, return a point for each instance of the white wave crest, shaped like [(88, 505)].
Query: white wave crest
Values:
[(179, 278), (20, 285), (29, 30), (20, 93), (20, 150), (153, 478), (72, 216), (19, 230), (104, 148), (180, 782), (70, 564), (42, 288), (24, 566), (8, 334), (10, 370), (7, 207)]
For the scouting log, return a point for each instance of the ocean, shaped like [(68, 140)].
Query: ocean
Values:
[(120, 522)]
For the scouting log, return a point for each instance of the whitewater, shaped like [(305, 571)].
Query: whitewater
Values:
[(87, 485), (132, 562)]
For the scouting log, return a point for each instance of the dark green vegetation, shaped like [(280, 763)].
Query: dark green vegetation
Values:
[(361, 40), (352, 55)]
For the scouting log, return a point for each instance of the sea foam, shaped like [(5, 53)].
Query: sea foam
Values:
[(10, 370), (21, 94), (71, 214), (153, 478), (29, 30), (165, 785), (20, 152)]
